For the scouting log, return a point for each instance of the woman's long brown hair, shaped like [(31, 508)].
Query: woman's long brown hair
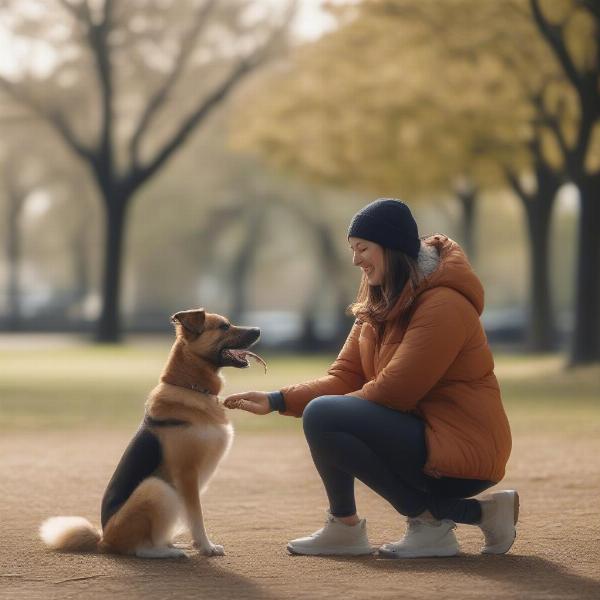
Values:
[(375, 302)]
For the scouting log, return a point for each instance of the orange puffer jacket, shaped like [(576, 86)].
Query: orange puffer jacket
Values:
[(437, 366)]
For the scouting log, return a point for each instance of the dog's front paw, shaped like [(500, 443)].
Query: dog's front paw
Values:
[(210, 549)]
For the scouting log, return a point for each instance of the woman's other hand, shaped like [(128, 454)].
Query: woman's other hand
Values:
[(254, 402)]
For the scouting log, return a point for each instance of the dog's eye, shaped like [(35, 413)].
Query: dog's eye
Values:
[(224, 326)]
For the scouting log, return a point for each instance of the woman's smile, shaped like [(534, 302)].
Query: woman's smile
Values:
[(370, 257)]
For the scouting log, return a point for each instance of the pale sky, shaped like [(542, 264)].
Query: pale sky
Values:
[(311, 21)]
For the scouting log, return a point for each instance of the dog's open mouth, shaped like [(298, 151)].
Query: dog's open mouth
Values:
[(239, 358)]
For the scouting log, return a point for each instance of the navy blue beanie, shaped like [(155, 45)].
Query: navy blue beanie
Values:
[(389, 223)]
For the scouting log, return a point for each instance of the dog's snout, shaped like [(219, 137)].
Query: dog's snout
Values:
[(250, 336), (243, 337)]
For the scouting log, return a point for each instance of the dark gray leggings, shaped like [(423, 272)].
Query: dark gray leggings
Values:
[(350, 437)]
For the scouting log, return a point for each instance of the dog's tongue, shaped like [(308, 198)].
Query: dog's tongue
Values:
[(244, 354)]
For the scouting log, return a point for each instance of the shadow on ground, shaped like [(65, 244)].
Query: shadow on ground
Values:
[(534, 576), (113, 576)]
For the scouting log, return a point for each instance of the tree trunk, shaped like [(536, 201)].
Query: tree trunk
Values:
[(330, 274), (334, 275), (343, 321), (468, 202), (109, 325), (13, 255), (242, 265), (586, 345), (541, 330), (309, 340)]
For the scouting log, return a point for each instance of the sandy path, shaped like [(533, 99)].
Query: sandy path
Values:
[(266, 493)]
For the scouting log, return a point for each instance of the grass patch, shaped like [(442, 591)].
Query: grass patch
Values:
[(540, 394), (106, 386)]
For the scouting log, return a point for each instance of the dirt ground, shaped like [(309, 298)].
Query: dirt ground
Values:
[(267, 492)]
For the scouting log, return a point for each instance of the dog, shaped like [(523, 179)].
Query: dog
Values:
[(184, 435)]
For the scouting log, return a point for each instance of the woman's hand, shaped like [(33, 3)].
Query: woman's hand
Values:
[(254, 402)]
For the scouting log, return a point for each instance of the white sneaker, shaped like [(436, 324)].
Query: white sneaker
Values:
[(334, 538), (424, 538), (499, 515)]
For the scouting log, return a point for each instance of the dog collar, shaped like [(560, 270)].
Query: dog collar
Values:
[(192, 386), (195, 388)]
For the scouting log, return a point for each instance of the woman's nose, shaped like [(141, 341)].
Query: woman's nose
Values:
[(355, 259)]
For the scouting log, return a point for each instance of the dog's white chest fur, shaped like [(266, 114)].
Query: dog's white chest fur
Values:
[(214, 432), (215, 441)]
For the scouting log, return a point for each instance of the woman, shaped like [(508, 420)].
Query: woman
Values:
[(411, 406)]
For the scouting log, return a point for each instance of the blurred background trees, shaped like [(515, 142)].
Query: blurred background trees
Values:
[(443, 99), (464, 109), (121, 65)]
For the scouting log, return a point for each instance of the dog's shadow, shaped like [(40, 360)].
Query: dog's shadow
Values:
[(535, 576), (207, 577)]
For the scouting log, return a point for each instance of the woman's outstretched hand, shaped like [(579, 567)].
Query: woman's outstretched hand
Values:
[(254, 402)]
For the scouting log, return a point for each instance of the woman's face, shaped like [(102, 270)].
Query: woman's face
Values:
[(369, 257)]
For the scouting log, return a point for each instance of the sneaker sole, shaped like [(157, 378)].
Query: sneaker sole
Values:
[(503, 549), (425, 553), (351, 551)]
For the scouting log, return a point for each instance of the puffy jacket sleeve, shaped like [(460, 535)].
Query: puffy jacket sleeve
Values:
[(434, 337), (344, 375)]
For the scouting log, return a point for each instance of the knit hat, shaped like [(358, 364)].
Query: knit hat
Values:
[(387, 222)]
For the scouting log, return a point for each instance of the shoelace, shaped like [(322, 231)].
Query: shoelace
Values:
[(329, 519), (414, 525)]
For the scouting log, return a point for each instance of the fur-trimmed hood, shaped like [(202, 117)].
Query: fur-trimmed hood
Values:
[(441, 263)]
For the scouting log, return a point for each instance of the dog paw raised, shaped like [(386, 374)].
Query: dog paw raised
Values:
[(210, 549)]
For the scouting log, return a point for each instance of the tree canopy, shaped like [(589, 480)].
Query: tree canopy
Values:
[(409, 96)]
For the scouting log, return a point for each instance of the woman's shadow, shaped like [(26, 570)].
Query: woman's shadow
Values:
[(531, 574)]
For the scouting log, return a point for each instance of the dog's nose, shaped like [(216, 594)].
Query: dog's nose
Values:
[(255, 331)]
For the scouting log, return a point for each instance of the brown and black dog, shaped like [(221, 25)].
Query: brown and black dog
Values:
[(171, 458)]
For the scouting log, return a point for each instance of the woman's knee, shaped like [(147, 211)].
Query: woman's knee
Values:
[(320, 413)]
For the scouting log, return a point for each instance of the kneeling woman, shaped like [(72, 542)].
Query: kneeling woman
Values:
[(411, 406)]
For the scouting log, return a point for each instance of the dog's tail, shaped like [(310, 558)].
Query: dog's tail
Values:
[(70, 534)]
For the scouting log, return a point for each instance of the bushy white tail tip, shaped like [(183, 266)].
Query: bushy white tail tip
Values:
[(68, 533)]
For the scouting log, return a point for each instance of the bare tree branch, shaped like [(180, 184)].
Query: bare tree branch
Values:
[(554, 36), (79, 10), (551, 121), (275, 38), (516, 185), (97, 38), (162, 93), (54, 118), (585, 84), (107, 12), (592, 6), (60, 123), (142, 173), (139, 174)]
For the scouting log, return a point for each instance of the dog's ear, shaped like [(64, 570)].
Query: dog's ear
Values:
[(189, 323)]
